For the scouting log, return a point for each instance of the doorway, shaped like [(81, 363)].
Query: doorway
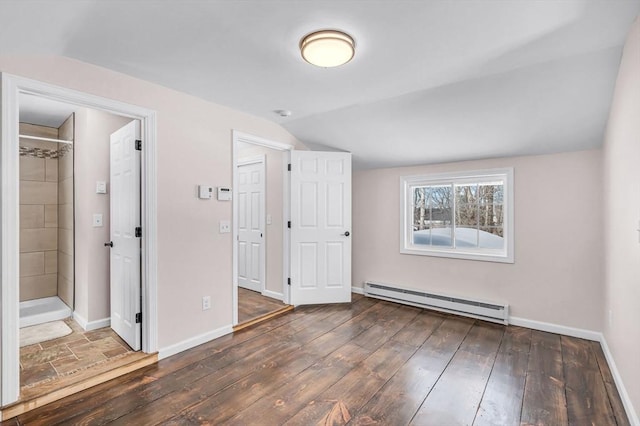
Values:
[(260, 256), (12, 89)]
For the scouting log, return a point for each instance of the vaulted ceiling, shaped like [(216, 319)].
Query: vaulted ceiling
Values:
[(432, 81)]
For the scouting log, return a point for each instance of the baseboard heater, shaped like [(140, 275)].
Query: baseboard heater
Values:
[(468, 307)]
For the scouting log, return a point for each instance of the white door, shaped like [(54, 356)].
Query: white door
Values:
[(320, 227), (251, 224), (124, 219)]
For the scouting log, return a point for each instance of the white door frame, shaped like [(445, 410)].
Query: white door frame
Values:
[(259, 159), (255, 140), (11, 88)]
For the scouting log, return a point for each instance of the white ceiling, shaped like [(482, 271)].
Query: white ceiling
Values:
[(431, 81), (43, 111)]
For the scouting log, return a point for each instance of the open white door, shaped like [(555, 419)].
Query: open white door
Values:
[(251, 224), (320, 227), (125, 241)]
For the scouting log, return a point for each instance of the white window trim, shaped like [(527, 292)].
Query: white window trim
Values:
[(406, 213)]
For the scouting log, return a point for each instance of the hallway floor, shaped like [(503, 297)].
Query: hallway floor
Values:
[(66, 356), (252, 304)]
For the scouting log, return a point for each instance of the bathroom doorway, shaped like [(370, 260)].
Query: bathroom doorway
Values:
[(13, 88), (66, 206)]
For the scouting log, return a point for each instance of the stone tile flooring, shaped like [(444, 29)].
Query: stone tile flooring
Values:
[(47, 361)]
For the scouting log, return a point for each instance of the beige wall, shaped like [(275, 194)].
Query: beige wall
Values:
[(92, 135), (622, 216), (65, 214), (274, 201), (194, 146), (38, 213), (557, 274)]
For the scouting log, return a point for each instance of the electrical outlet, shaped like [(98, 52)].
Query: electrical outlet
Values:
[(97, 220), (206, 303), (225, 226)]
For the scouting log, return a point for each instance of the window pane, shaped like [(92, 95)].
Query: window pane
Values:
[(467, 194), (466, 237), (467, 215), (491, 193), (432, 210), (491, 237), (491, 215)]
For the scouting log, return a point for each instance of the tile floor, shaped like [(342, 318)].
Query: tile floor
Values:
[(46, 361)]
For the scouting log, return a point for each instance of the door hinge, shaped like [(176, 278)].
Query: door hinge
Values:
[(289, 167), (289, 224), (138, 145), (138, 232), (288, 281), (138, 317)]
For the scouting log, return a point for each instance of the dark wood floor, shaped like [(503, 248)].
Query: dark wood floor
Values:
[(252, 304), (369, 362)]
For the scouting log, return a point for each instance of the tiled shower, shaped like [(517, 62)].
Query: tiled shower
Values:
[(46, 222)]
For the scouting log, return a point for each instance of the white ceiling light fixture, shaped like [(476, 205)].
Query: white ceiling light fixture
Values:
[(327, 48)]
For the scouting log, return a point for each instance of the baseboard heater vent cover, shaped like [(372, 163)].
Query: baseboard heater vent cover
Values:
[(468, 307)]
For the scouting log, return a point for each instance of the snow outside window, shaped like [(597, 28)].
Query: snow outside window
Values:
[(459, 215)]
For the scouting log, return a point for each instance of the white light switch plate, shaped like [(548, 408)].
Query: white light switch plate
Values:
[(97, 220), (101, 187), (225, 226)]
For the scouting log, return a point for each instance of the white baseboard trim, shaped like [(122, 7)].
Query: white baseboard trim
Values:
[(273, 294), (193, 342), (91, 325), (626, 401), (357, 290), (555, 328)]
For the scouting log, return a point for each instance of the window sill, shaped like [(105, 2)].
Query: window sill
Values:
[(458, 254)]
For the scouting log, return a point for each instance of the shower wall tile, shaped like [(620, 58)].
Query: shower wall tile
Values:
[(51, 169), (32, 264), (65, 164), (51, 216), (41, 239), (65, 188), (40, 131), (31, 216), (32, 168), (51, 262), (65, 266), (38, 286), (65, 216), (38, 192), (65, 241)]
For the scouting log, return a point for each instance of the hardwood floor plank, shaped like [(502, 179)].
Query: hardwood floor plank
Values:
[(246, 369), (289, 367), (252, 304), (286, 401), (399, 399), (455, 398), (612, 391), (544, 400), (502, 400), (587, 400), (368, 362), (335, 405)]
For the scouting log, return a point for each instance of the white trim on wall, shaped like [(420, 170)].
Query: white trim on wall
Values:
[(555, 328), (12, 86), (273, 294), (357, 290), (192, 342), (256, 140), (632, 414), (91, 325)]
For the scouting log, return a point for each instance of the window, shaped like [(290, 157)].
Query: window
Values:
[(461, 215)]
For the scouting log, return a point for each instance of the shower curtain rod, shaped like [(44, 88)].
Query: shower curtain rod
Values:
[(38, 138)]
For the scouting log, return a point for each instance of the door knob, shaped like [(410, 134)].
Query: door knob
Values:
[(109, 244), (346, 234)]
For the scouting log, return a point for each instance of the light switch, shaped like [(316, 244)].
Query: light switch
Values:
[(97, 220), (101, 187)]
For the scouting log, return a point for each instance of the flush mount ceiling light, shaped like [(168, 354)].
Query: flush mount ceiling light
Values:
[(327, 48)]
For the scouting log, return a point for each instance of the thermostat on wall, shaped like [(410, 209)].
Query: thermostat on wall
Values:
[(224, 194), (205, 192)]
